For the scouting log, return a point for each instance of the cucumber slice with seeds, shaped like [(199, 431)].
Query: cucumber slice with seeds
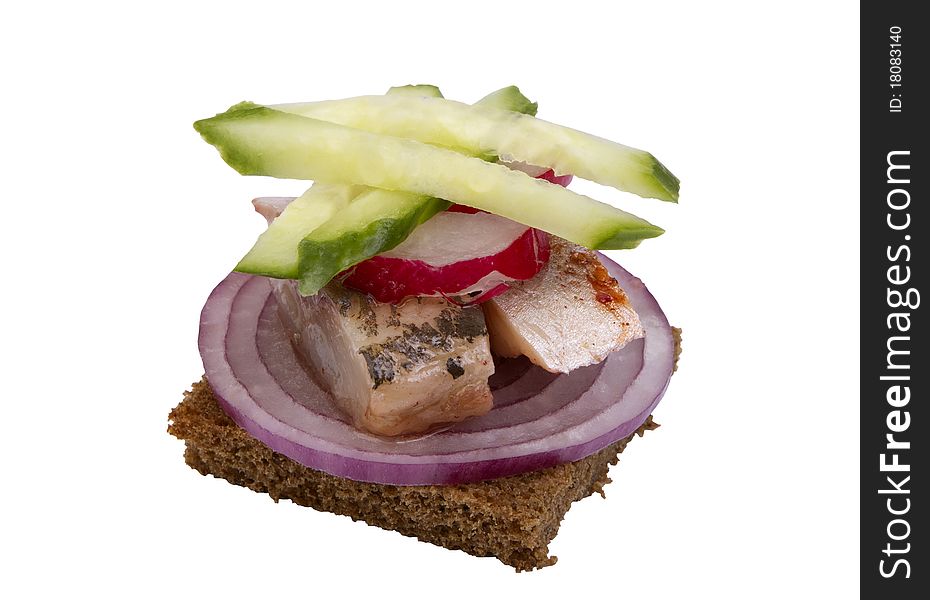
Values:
[(481, 129)]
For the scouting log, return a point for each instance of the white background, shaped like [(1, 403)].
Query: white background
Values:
[(117, 221)]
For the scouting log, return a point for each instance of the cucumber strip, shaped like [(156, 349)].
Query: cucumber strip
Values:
[(275, 252), (375, 222), (264, 141), (509, 98), (420, 90), (481, 129)]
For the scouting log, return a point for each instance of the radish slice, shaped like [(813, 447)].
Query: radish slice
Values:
[(539, 419), (451, 237), (562, 180), (459, 252), (461, 208), (453, 254)]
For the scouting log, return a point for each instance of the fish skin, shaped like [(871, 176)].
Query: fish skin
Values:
[(570, 315), (393, 369)]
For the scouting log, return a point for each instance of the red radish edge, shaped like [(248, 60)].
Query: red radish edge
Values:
[(550, 176), (461, 208), (391, 280)]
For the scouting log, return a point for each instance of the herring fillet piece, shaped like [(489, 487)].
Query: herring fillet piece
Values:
[(570, 315), (393, 369)]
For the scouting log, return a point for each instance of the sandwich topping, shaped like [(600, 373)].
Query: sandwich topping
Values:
[(392, 369), (571, 315), (455, 253), (432, 310)]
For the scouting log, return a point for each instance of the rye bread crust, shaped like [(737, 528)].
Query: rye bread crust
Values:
[(512, 518)]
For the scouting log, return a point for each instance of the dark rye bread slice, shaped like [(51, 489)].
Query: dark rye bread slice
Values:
[(512, 518)]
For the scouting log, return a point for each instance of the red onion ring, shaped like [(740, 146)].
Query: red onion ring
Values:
[(539, 419)]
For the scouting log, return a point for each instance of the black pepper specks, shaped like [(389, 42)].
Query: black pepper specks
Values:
[(467, 322), (381, 365), (454, 367), (366, 315), (393, 320), (423, 343), (341, 297)]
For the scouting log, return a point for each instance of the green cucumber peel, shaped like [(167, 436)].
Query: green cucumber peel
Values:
[(375, 222), (264, 141), (274, 254), (347, 240), (509, 98), (483, 130)]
